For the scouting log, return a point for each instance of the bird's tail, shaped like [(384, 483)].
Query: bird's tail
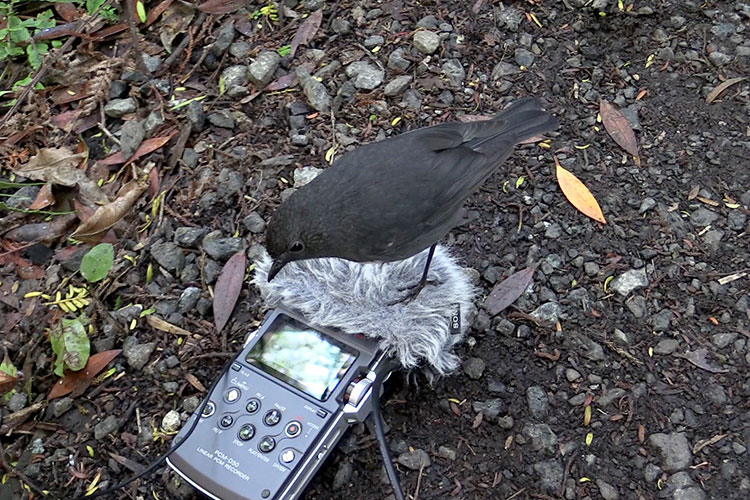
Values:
[(519, 121)]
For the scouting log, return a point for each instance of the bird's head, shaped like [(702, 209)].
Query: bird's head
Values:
[(288, 239)]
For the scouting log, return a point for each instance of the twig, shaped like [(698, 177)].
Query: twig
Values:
[(184, 43)]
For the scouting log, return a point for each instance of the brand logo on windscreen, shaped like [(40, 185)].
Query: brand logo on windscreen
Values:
[(454, 323)]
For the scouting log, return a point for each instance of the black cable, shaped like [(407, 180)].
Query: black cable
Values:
[(377, 420), (160, 460)]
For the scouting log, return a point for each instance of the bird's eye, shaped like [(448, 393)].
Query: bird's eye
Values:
[(296, 247)]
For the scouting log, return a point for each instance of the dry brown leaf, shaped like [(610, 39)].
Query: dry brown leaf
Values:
[(193, 380), (700, 358), (108, 215), (618, 127), (174, 23), (221, 6), (693, 192), (59, 166), (78, 382), (228, 288), (578, 194), (146, 147), (165, 326), (507, 291), (306, 31), (716, 92), (44, 198)]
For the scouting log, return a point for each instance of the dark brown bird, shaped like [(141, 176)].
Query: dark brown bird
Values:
[(390, 200)]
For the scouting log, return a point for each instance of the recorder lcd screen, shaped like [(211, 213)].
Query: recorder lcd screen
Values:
[(302, 357)]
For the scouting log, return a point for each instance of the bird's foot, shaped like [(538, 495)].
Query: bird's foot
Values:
[(413, 291)]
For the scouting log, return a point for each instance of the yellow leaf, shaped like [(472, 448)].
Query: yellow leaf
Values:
[(589, 438), (578, 194)]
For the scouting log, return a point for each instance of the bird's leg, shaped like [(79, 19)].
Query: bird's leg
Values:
[(414, 290)]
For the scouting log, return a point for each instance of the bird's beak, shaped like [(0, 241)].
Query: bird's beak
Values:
[(275, 268)]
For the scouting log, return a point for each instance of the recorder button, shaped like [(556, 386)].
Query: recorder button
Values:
[(209, 409), (232, 395), (226, 421), (252, 406), (236, 366), (288, 456), (293, 429), (265, 493), (247, 432), (267, 444), (272, 418), (322, 413)]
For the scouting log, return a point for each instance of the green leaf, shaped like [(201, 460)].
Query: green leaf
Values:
[(284, 50), (33, 54), (7, 367), (97, 262), (141, 10), (71, 346)]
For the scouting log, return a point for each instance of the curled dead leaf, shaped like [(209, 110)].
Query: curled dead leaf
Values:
[(716, 92), (108, 215), (578, 194), (306, 31), (618, 128)]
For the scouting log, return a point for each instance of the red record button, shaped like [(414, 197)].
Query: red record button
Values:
[(293, 429)]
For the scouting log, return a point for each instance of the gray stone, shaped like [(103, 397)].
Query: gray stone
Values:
[(343, 476), (454, 71), (689, 493), (196, 116), (415, 459), (721, 340), (60, 406), (474, 368), (491, 409), (305, 175), (299, 140), (171, 421), (426, 41), (136, 354), (666, 346), (189, 237), (506, 422), (629, 281), (168, 255), (538, 402), (646, 205), (591, 268), (712, 240), (152, 63), (661, 321), (105, 427), (703, 217), (341, 26), (188, 298), (673, 450), (153, 121), (572, 375), (23, 197), (17, 401), (524, 57), (312, 5), (235, 76), (510, 17), (117, 108), (549, 311), (222, 248), (396, 60), (607, 491), (261, 70), (132, 134), (428, 22), (637, 306), (254, 223), (240, 50), (397, 85), (541, 436), (446, 453), (224, 38), (316, 92), (719, 58), (364, 75), (222, 118), (503, 69), (553, 231), (550, 474), (373, 41)]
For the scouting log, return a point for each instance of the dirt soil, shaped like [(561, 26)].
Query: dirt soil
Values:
[(622, 372)]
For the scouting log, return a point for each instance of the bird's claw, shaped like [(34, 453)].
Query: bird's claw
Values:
[(413, 292)]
